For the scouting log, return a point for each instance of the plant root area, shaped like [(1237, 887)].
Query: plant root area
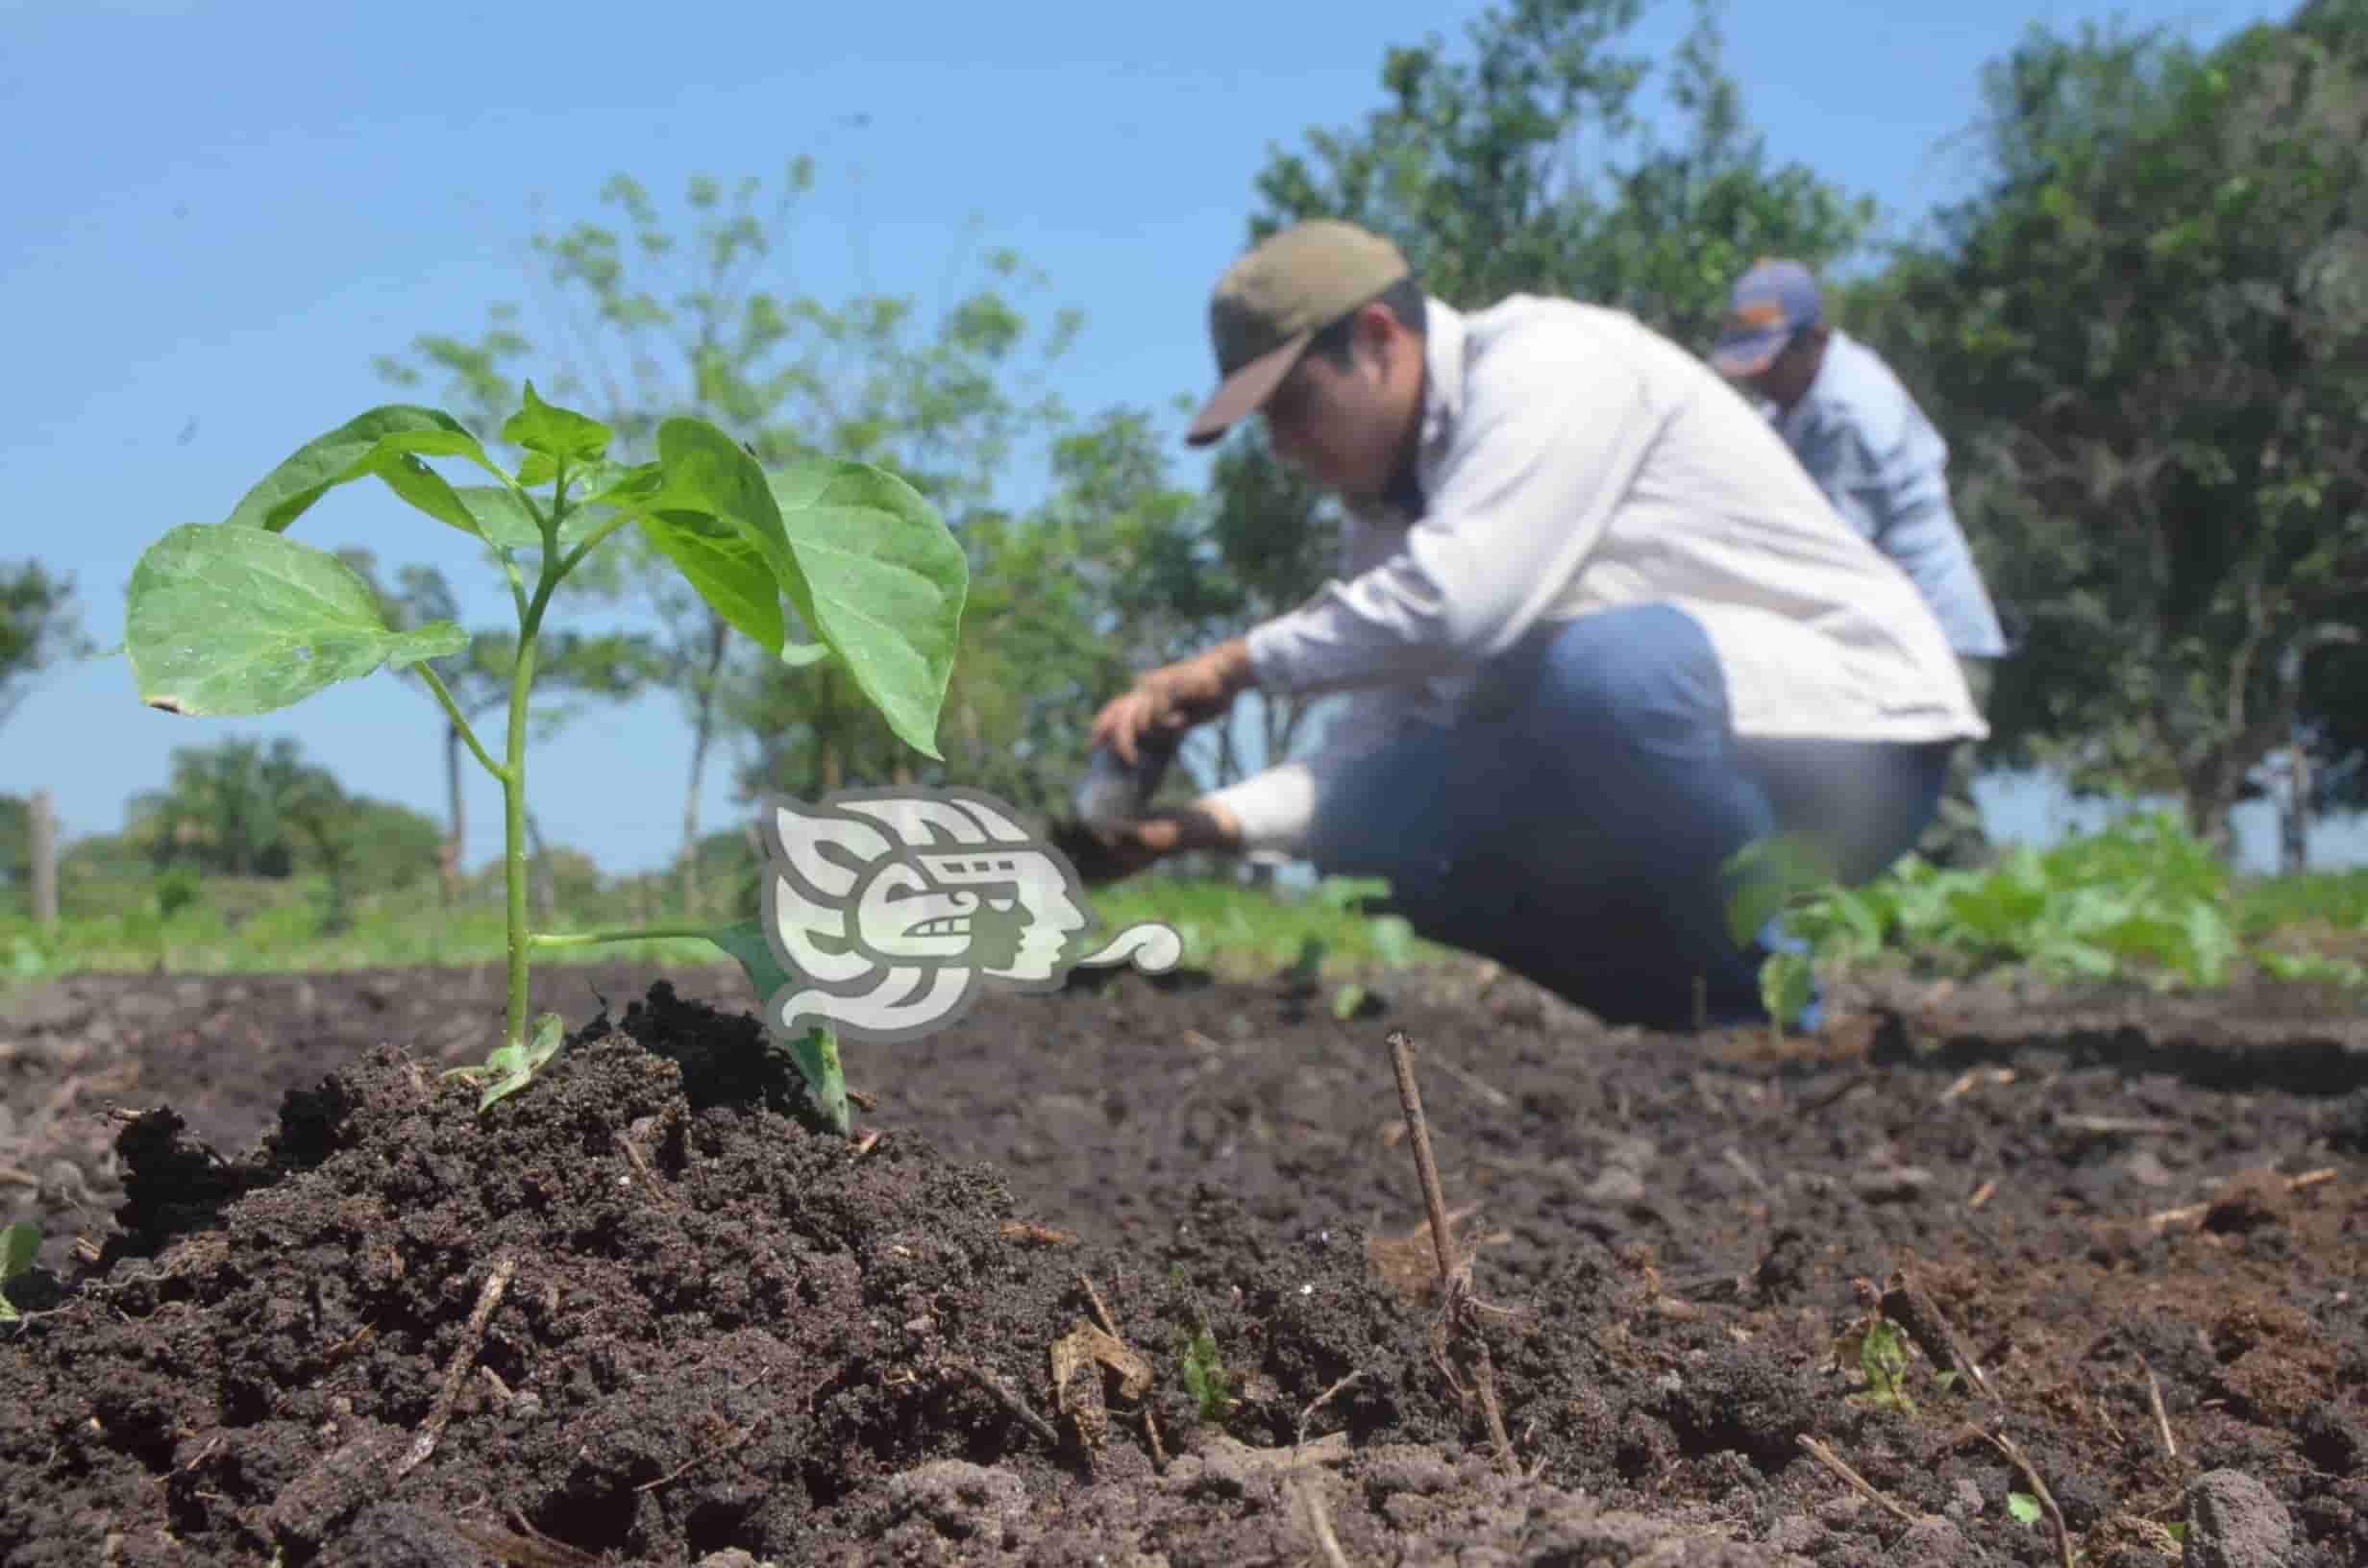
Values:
[(1140, 1274)]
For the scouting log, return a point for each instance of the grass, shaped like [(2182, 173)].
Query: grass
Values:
[(247, 926), (254, 926)]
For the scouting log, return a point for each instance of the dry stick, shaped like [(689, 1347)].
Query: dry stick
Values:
[(1453, 1280), (2047, 1499), (1852, 1478), (473, 1340), (1010, 1401), (1321, 1400), (2197, 1211), (1488, 1091), (1110, 1327), (2163, 1419), (732, 1439), (1320, 1524)]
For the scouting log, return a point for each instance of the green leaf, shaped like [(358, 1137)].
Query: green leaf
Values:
[(816, 1051), (798, 655), (19, 1245), (224, 620), (502, 516), (511, 1068), (561, 434), (2024, 1506), (1787, 981), (725, 569), (386, 441), (1347, 1000), (706, 508), (879, 578)]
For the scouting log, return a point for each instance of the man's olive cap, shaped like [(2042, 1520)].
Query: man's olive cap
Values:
[(1274, 300)]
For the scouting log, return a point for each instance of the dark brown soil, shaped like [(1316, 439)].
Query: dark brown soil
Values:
[(301, 1302)]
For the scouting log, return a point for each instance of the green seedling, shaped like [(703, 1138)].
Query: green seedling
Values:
[(510, 1067), (1204, 1376), (1782, 875), (19, 1245), (1391, 937), (2024, 1508), (1884, 1358), (1875, 1344), (235, 619)]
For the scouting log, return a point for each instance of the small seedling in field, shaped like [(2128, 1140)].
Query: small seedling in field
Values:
[(1204, 1376), (2024, 1508), (1391, 937), (234, 619), (19, 1245), (1875, 1344), (511, 1067)]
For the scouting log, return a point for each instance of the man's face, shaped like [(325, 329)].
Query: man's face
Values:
[(1784, 379), (1341, 426)]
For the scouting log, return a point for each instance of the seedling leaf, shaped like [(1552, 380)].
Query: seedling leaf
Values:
[(816, 1052), (881, 580), (2024, 1506), (19, 1245), (1787, 982), (388, 441), (561, 434), (224, 620), (511, 1068)]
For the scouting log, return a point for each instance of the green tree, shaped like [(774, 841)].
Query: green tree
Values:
[(2142, 336), (38, 625), (225, 809), (669, 314)]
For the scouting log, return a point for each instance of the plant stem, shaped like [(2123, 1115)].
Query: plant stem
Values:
[(615, 933), (452, 709), (514, 803)]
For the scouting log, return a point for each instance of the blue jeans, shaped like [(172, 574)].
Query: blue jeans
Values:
[(1573, 827)]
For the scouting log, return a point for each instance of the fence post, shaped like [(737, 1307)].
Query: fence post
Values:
[(44, 846)]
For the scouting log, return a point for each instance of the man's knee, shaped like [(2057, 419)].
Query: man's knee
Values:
[(1643, 673)]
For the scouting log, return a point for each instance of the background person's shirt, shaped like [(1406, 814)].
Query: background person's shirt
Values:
[(1876, 457), (1572, 461)]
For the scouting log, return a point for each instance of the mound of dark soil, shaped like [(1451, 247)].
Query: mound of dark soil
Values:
[(642, 1310)]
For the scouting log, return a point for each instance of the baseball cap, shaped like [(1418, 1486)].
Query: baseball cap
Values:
[(1274, 300), (1770, 303)]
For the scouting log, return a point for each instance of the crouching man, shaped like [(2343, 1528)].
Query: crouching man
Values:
[(1598, 628)]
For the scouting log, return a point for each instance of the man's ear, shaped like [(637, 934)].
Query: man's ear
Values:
[(1376, 336)]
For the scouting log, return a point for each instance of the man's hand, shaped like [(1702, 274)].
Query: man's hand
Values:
[(1174, 698), (1101, 856)]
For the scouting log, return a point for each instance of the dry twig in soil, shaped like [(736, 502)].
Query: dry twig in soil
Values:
[(1857, 1482), (2197, 1211), (1913, 1308), (1454, 1278), (2038, 1488), (473, 1340), (1319, 1522), (1011, 1402), (1110, 1327), (1323, 1399), (2163, 1419)]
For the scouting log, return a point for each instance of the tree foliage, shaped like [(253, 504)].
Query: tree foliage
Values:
[(2148, 339)]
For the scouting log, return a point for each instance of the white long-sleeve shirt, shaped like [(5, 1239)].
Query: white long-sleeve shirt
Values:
[(1572, 461)]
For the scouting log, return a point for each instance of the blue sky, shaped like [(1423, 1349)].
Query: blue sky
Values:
[(218, 214)]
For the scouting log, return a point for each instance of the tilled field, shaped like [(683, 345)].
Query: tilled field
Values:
[(1139, 1275)]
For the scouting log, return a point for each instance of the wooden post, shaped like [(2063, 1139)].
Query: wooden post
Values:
[(44, 846)]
